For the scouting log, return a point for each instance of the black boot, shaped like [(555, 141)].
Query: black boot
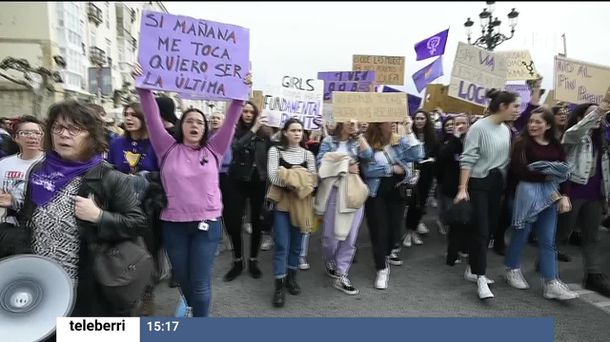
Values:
[(279, 296), (173, 283), (563, 257), (597, 282), (238, 266), (255, 272), (291, 283)]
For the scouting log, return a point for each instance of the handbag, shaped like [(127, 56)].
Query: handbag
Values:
[(406, 188), (123, 270)]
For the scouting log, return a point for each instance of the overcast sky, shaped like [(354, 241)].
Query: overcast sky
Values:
[(302, 38)]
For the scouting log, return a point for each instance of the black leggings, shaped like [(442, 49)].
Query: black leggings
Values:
[(234, 195), (418, 208)]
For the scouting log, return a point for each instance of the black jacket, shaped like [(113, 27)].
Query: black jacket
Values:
[(122, 219), (248, 149), (448, 165)]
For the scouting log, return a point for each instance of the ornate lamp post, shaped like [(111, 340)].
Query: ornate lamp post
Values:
[(490, 28)]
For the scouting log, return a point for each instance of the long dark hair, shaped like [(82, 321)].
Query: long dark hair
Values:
[(243, 127), (180, 134), (283, 144), (525, 139), (137, 109), (427, 131), (444, 133), (499, 97)]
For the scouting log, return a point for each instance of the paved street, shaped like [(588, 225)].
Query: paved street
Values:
[(422, 287)]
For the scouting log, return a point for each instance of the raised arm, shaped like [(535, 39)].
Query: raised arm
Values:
[(160, 139), (220, 142)]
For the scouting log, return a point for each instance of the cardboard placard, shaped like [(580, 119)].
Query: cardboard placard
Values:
[(257, 99), (474, 72), (579, 82), (520, 66), (436, 96), (360, 81), (389, 70), (296, 97), (369, 107)]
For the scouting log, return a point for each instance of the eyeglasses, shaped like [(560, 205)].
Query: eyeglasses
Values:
[(28, 134), (72, 130)]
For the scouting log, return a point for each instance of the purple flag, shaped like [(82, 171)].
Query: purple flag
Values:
[(357, 81), (428, 74), (201, 58), (433, 46)]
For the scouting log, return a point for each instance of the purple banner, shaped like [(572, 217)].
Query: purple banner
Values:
[(433, 46), (355, 81), (202, 58), (428, 74), (524, 93)]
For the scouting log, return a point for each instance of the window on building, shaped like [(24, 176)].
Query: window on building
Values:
[(107, 14), (92, 39), (108, 48)]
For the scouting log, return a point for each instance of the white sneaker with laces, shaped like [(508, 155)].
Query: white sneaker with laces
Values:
[(407, 242), (515, 279), (422, 229), (303, 264), (383, 276), (416, 239), (267, 243), (343, 284), (555, 289), (473, 277), (394, 259), (483, 288)]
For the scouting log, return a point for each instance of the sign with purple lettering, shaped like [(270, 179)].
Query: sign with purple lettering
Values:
[(580, 82), (297, 97), (474, 72), (524, 92), (202, 58), (354, 81)]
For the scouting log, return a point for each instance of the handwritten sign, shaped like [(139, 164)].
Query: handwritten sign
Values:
[(389, 70), (580, 82), (370, 107), (436, 96), (257, 99), (520, 65), (202, 58), (523, 90), (356, 81), (296, 97), (474, 72)]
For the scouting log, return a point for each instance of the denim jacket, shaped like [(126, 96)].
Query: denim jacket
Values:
[(532, 198), (403, 151), (580, 155), (331, 144)]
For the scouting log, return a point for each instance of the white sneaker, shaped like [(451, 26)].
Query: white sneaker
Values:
[(407, 242), (515, 279), (422, 229), (303, 264), (416, 239), (473, 277), (483, 288), (442, 229), (343, 284), (383, 276), (555, 289), (267, 243), (394, 258), (247, 227)]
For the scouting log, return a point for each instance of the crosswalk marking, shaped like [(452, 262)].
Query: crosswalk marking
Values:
[(591, 297)]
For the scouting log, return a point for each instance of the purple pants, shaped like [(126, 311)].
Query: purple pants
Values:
[(338, 252)]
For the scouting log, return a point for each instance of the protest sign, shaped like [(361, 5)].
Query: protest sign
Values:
[(370, 107), (580, 82), (356, 81), (296, 97), (257, 99), (388, 69), (520, 66), (524, 92), (474, 72), (436, 96), (202, 58)]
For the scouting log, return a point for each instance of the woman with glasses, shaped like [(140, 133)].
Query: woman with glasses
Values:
[(13, 170), (75, 200)]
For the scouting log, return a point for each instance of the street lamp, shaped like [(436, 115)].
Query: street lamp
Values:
[(490, 28)]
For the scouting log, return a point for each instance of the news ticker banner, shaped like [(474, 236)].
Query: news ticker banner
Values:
[(151, 329)]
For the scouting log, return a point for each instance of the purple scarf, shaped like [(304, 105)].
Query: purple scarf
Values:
[(55, 174)]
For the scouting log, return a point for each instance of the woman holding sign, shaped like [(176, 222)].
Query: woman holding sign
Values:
[(484, 164), (191, 227)]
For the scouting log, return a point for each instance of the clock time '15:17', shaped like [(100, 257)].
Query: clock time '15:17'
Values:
[(163, 326)]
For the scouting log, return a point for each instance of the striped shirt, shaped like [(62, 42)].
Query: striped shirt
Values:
[(486, 147), (292, 155)]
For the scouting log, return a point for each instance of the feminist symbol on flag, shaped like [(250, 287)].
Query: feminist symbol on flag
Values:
[(433, 44)]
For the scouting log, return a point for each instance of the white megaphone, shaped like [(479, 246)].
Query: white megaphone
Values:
[(34, 291)]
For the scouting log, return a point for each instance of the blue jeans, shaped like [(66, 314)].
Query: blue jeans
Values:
[(191, 252), (544, 228), (288, 241)]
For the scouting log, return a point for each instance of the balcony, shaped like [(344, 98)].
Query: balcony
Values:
[(94, 14), (97, 56), (123, 20)]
